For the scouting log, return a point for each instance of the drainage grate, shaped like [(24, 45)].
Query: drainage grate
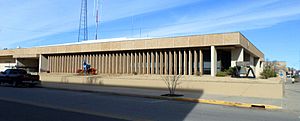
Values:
[(258, 106)]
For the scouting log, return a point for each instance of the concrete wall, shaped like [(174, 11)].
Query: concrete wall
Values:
[(43, 64), (237, 54), (271, 88)]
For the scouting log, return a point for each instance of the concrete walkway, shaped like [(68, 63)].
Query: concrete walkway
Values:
[(155, 93)]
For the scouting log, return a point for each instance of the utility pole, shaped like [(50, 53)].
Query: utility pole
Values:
[(83, 30)]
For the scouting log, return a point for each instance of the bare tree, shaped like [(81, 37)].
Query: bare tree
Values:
[(171, 81)]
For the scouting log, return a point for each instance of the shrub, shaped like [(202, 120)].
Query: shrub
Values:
[(79, 71), (221, 74), (135, 73), (92, 71), (268, 73), (295, 76), (231, 71)]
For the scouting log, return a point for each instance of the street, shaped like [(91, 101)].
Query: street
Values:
[(11, 111), (46, 104)]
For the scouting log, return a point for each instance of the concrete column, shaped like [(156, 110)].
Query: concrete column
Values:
[(156, 63), (152, 63), (148, 63), (170, 62), (131, 63), (180, 63), (75, 63), (71, 63), (195, 62), (237, 55), (109, 63), (97, 63), (57, 65), (175, 63), (49, 63), (190, 62), (101, 67), (65, 64), (53, 64), (102, 58), (166, 63), (68, 64), (120, 65), (91, 60), (144, 66), (161, 63), (124, 63), (128, 63), (140, 63), (106, 63), (81, 61), (116, 62), (185, 63), (213, 55), (62, 63), (135, 62), (119, 61), (201, 62)]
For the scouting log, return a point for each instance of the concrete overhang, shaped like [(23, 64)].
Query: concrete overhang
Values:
[(222, 39), (26, 56)]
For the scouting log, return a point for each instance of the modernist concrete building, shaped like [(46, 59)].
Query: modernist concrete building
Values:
[(186, 55)]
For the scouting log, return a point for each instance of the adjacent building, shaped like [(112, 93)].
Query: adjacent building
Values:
[(185, 55)]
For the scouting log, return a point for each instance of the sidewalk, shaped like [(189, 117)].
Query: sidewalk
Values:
[(191, 96)]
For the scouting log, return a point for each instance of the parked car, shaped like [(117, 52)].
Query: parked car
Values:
[(19, 77)]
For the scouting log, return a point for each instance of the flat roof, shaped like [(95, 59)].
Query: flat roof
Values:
[(124, 44)]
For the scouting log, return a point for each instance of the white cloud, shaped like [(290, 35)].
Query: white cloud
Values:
[(31, 19), (252, 16)]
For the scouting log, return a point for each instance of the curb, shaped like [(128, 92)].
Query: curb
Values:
[(206, 101)]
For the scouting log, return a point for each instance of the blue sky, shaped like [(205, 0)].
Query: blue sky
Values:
[(272, 25)]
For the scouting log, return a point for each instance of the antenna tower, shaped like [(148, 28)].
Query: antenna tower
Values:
[(96, 11), (83, 30)]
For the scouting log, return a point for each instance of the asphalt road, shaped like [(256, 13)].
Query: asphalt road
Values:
[(12, 111), (65, 105)]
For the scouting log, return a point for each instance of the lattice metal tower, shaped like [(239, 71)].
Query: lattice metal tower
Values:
[(83, 28)]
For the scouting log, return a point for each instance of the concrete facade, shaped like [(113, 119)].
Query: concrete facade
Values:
[(174, 55)]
